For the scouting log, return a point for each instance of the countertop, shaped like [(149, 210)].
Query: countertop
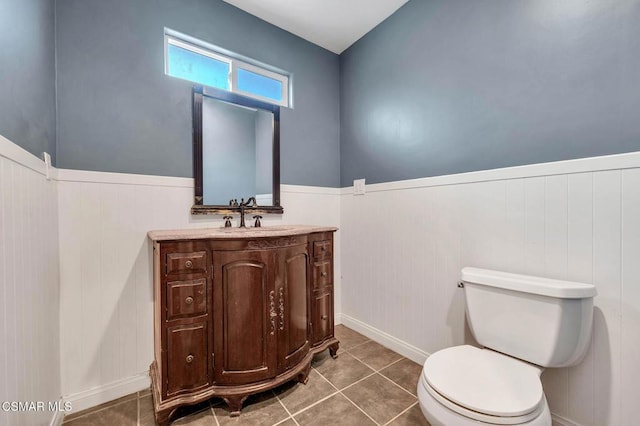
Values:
[(236, 233)]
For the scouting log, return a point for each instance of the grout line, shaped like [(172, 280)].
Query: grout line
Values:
[(358, 345), (402, 412), (358, 381), (316, 403), (390, 364), (356, 405), (215, 417), (285, 409), (415, 396)]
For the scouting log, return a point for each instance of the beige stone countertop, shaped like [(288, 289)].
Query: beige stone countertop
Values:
[(236, 233)]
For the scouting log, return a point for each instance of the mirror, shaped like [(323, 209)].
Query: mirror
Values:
[(236, 146)]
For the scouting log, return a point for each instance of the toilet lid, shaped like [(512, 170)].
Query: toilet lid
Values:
[(485, 381)]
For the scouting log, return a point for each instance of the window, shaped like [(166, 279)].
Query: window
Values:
[(197, 61)]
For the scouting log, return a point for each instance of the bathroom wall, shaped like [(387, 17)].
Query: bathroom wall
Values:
[(106, 303), (446, 87), (404, 243), (27, 74), (29, 286), (118, 112)]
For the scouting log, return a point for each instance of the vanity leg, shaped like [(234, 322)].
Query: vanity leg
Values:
[(163, 417), (235, 404), (303, 376), (333, 350)]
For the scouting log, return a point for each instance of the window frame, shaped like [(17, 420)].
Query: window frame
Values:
[(235, 63)]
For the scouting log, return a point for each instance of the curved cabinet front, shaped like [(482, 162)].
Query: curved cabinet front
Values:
[(234, 317)]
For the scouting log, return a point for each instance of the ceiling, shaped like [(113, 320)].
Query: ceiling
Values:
[(332, 24)]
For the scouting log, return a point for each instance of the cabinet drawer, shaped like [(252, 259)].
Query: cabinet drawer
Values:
[(187, 357), (322, 249), (322, 316), (322, 274), (189, 263), (186, 298)]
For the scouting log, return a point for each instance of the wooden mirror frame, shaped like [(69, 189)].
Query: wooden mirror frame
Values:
[(198, 94)]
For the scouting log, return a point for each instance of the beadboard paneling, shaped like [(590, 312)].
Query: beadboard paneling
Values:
[(106, 278), (403, 245), (29, 328)]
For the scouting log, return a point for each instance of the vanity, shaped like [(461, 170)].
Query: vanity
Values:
[(238, 311)]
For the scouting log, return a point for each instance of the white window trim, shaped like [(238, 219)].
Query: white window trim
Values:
[(176, 39)]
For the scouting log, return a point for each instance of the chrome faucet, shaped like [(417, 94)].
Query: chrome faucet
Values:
[(243, 204)]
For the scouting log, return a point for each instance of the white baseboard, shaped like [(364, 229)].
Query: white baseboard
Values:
[(58, 417), (403, 348), (337, 319), (114, 390), (561, 421)]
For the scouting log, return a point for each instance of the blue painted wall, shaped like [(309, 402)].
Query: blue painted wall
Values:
[(118, 112), (450, 86), (27, 74)]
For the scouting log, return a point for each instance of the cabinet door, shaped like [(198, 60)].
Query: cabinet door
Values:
[(293, 306), (187, 357), (245, 316), (322, 321)]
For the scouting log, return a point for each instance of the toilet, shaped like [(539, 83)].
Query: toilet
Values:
[(524, 324)]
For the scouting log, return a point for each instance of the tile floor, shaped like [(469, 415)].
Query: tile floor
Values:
[(367, 384)]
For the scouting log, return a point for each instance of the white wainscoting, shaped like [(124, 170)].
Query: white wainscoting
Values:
[(105, 267), (29, 295), (404, 243)]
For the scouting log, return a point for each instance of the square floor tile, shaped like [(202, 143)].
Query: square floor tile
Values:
[(123, 414), (336, 410), (406, 373), (348, 338), (379, 398), (375, 355), (262, 409), (295, 396), (343, 371), (412, 417)]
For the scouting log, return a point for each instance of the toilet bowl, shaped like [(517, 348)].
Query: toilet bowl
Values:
[(465, 385), (525, 324)]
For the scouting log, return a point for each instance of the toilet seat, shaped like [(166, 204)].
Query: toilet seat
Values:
[(484, 385)]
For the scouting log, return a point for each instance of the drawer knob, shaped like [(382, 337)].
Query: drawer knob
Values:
[(323, 274), (188, 264), (189, 359), (324, 317), (323, 248), (188, 300)]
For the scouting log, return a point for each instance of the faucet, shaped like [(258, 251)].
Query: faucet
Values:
[(244, 204)]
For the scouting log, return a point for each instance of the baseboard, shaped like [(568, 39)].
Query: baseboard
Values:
[(58, 417), (114, 390), (403, 348), (337, 319), (561, 421)]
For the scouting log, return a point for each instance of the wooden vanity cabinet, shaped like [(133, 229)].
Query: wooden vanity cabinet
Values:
[(238, 316)]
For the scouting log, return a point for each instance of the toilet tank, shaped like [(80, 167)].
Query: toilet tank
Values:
[(543, 321)]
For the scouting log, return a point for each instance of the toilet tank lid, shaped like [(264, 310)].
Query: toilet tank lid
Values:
[(528, 283)]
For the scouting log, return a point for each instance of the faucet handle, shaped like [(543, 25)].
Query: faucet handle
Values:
[(227, 221), (257, 218)]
